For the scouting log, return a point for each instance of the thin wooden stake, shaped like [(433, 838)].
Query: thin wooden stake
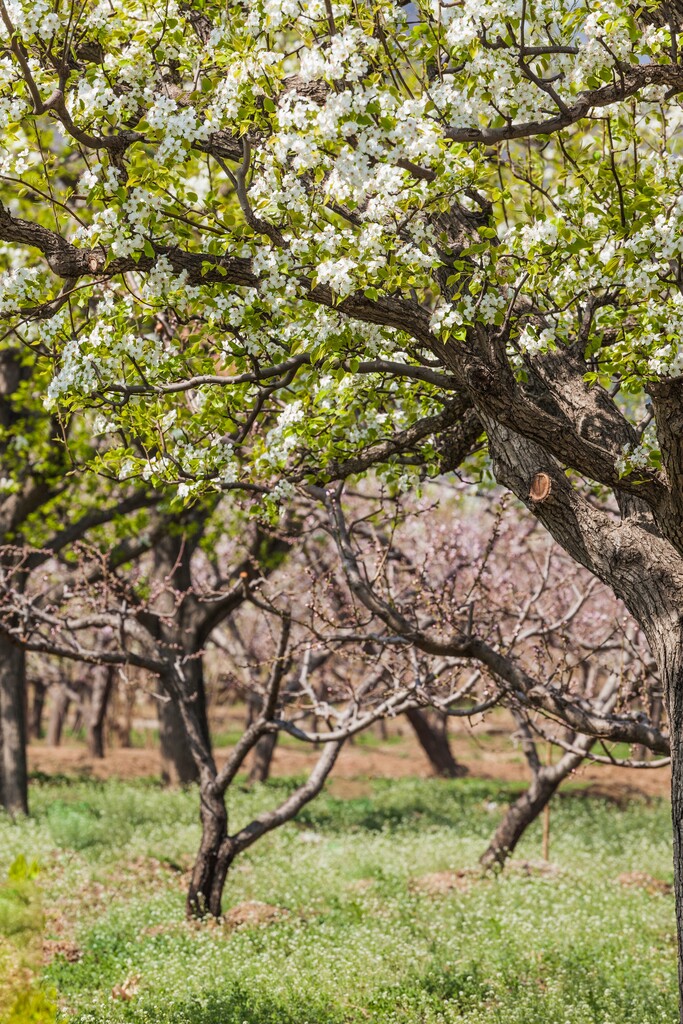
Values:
[(545, 849)]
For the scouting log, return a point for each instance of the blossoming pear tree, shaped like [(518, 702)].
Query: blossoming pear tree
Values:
[(281, 241)]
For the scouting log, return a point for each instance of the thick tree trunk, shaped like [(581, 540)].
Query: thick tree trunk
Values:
[(432, 733), (671, 666), (180, 764), (100, 694), (178, 767), (13, 768), (58, 712), (35, 726), (262, 758)]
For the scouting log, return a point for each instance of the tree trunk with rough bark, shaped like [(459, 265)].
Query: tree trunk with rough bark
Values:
[(639, 555), (211, 863), (671, 666), (181, 764), (13, 767), (432, 733)]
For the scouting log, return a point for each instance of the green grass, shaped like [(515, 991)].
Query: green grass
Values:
[(357, 940)]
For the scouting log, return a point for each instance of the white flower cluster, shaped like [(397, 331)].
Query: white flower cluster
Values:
[(20, 286), (532, 341), (633, 457), (667, 360), (242, 76), (123, 229), (273, 14), (12, 108), (34, 18), (162, 285), (105, 354), (100, 174), (525, 237), (600, 36), (338, 274), (447, 315), (343, 57), (192, 466), (179, 128), (95, 95), (283, 437), (282, 494)]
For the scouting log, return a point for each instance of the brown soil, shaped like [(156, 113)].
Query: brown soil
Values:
[(439, 883), (487, 755), (252, 913), (641, 880), (61, 947)]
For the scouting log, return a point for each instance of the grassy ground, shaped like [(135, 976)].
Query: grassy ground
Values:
[(379, 916)]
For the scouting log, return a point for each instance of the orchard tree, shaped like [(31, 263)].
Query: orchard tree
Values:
[(279, 242), (565, 661), (163, 621)]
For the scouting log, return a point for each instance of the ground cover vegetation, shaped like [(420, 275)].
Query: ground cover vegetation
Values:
[(386, 916)]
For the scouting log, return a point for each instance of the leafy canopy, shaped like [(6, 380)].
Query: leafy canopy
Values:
[(249, 235)]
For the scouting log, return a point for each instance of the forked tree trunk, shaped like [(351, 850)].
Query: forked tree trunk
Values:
[(218, 850), (432, 733), (262, 758), (13, 768)]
